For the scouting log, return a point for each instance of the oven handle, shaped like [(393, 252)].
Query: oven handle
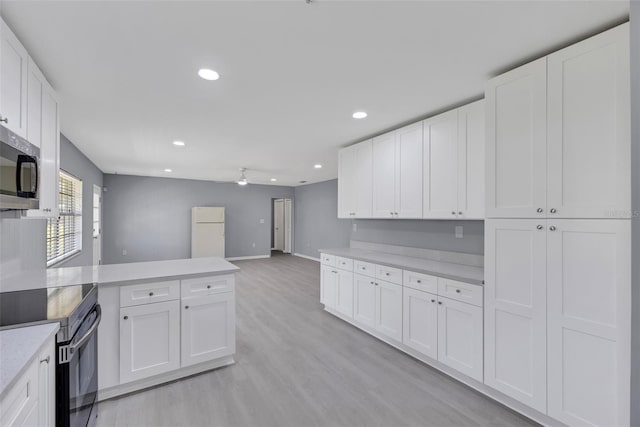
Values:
[(79, 343)]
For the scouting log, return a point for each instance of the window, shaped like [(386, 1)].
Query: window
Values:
[(64, 234)]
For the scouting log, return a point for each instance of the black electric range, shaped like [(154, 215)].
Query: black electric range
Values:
[(77, 310)]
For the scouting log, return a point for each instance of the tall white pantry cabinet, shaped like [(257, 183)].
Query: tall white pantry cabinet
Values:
[(557, 234)]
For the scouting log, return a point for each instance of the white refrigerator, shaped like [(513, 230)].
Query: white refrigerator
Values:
[(207, 232)]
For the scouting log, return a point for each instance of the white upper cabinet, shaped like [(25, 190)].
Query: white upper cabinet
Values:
[(589, 321), (409, 171), (384, 175), (516, 142), (35, 83), (354, 181), (471, 161), (589, 143), (440, 198), (14, 63)]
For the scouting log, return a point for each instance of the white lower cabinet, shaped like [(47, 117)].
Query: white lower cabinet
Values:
[(149, 340), (364, 307), (344, 292), (389, 309), (208, 328), (420, 322), (328, 286)]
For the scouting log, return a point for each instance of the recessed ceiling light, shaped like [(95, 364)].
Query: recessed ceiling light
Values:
[(318, 166), (178, 143), (208, 74), (359, 115), (273, 180), (168, 170)]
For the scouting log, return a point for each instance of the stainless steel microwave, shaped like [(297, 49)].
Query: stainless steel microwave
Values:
[(19, 180)]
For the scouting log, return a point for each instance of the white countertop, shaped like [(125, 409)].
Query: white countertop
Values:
[(116, 273), (448, 270), (19, 347)]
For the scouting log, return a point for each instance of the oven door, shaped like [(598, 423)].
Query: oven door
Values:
[(18, 172), (77, 379)]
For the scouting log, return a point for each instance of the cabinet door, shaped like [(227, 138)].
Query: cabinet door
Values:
[(47, 387), (515, 309), (420, 322), (460, 337), (35, 82), (208, 328), (364, 306), (471, 161), (409, 185), (384, 175), (14, 63), (589, 131), (389, 309), (347, 182), (344, 292), (328, 286), (363, 179), (149, 340), (516, 120), (440, 166), (589, 287)]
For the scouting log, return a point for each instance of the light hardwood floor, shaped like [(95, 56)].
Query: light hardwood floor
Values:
[(297, 365)]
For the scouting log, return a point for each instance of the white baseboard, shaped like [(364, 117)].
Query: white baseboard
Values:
[(307, 257), (240, 258)]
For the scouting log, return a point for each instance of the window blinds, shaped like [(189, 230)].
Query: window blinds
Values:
[(64, 234)]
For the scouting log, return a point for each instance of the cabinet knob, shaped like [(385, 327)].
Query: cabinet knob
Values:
[(150, 294), (419, 281), (126, 317), (553, 210), (539, 210), (453, 212), (391, 213), (372, 283), (458, 291), (552, 228), (539, 227), (433, 300), (386, 274), (186, 307), (208, 286), (396, 213), (4, 120), (460, 213), (440, 302), (376, 284)]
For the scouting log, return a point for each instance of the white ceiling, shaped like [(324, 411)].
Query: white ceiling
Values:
[(291, 73)]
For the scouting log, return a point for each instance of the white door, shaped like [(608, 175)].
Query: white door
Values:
[(409, 166), (440, 166), (347, 183), (149, 340), (589, 318), (460, 337), (515, 309), (516, 120), (288, 225), (278, 225), (363, 179), (328, 286), (420, 322), (97, 225), (471, 161), (208, 328), (384, 175), (344, 294), (364, 307), (389, 309), (14, 62), (589, 131)]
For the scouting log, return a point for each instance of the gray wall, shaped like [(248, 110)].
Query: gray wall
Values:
[(426, 234), (316, 223), (635, 170), (150, 217), (77, 164)]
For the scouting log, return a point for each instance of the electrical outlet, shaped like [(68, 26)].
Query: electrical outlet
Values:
[(458, 232), (261, 220), (124, 252), (355, 227), (253, 245)]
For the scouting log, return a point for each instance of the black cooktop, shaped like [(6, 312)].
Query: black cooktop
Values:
[(41, 305)]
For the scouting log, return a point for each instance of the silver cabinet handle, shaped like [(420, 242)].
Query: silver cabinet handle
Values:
[(539, 227), (46, 359), (4, 120), (540, 210), (553, 210), (552, 228)]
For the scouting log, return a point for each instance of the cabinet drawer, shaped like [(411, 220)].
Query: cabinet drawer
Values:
[(328, 259), (390, 274), (344, 263), (420, 281), (365, 268), (203, 286), (148, 293), (23, 396), (465, 292)]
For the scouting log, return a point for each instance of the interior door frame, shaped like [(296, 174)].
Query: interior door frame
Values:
[(288, 224)]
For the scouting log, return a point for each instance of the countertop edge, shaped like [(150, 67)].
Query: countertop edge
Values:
[(54, 330), (164, 277), (340, 252)]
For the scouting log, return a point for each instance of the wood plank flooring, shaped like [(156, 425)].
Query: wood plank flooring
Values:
[(300, 366)]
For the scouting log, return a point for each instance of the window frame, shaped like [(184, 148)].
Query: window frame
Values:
[(74, 214)]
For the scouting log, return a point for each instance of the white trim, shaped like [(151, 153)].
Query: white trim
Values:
[(240, 258), (306, 256)]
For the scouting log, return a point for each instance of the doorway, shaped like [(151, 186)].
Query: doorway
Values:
[(282, 224), (97, 225)]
